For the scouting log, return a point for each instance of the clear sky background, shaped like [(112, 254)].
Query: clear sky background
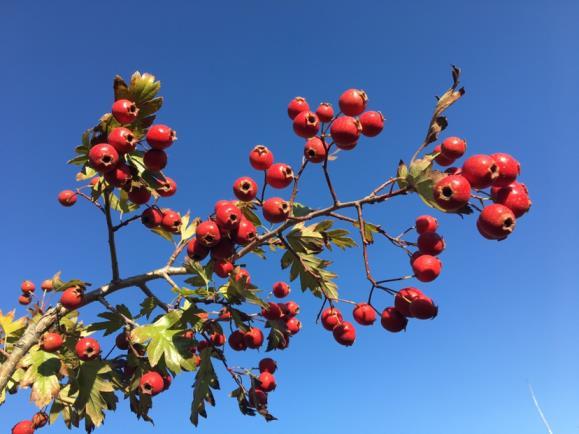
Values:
[(508, 311)]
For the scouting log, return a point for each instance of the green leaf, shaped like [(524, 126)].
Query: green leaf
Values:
[(163, 233), (340, 238), (41, 373), (188, 229), (300, 210), (143, 87), (205, 380), (12, 329), (238, 292), (305, 239), (150, 107), (312, 272), (402, 175), (113, 320), (148, 305), (250, 215), (201, 275)]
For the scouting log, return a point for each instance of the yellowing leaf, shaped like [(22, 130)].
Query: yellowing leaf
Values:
[(12, 329)]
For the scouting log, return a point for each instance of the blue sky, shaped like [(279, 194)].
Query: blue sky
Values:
[(507, 310)]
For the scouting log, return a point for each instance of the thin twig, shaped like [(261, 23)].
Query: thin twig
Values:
[(111, 236), (126, 222)]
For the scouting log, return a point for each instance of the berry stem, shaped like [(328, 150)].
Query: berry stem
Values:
[(111, 235)]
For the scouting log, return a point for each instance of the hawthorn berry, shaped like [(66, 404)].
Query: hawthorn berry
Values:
[(345, 132), (353, 102), (225, 314), (441, 159), (160, 136), (152, 217), (245, 189), (257, 398), (426, 223), (403, 299), (122, 139), (25, 299), (223, 268), (260, 158), (325, 112), (509, 169), (291, 308), (345, 333), (245, 233), (296, 106), (237, 341), (364, 314), (331, 317), (125, 111), (426, 268), (40, 419), (279, 175), (221, 203), (87, 349), (392, 320), (480, 170), (167, 380), (423, 308), (496, 221), (208, 233), (51, 342), (139, 195), (151, 383), (281, 289), (122, 341), (155, 159), (27, 287), (23, 427), (103, 157), (72, 297), (242, 275), (453, 148), (168, 187), (266, 381), (171, 221), (372, 123), (223, 250), (47, 285), (119, 176), (253, 338), (306, 124), (267, 365), (276, 210), (272, 311), (217, 339), (293, 325), (315, 150), (228, 217), (515, 197), (67, 198), (196, 250), (452, 192), (431, 243)]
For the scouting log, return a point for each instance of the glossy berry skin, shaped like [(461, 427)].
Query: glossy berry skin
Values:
[(257, 398), (372, 123), (331, 317), (152, 217), (168, 188), (281, 289), (345, 333), (276, 210), (155, 160), (272, 312), (423, 308), (125, 111), (441, 159), (23, 427), (223, 268), (40, 419), (480, 170), (392, 320), (453, 147), (208, 233), (151, 383), (291, 308), (279, 175), (364, 314), (223, 250), (325, 112), (253, 338), (266, 381), (426, 223), (452, 192), (306, 124), (196, 250), (122, 341), (51, 342), (103, 157), (315, 150), (509, 169), (431, 243), (87, 349), (122, 139), (293, 325), (245, 232), (345, 132), (403, 299), (221, 203), (217, 339), (228, 217), (296, 106), (119, 176), (71, 297), (245, 189), (25, 299), (237, 341), (496, 221), (260, 158), (515, 197), (139, 195), (160, 136), (27, 287), (426, 268), (242, 275), (353, 102), (67, 198), (171, 221), (267, 365), (47, 285)]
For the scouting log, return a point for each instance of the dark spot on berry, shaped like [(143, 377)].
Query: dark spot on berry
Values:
[(447, 192)]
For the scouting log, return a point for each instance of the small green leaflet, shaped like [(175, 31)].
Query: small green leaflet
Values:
[(205, 380), (312, 272), (41, 373)]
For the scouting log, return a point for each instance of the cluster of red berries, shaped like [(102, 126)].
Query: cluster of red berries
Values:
[(39, 420), (265, 383), (86, 348), (498, 171), (28, 289)]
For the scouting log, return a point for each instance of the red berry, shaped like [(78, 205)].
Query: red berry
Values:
[(161, 136), (403, 299), (331, 317), (152, 217), (168, 188), (225, 314), (364, 314), (345, 132), (452, 192), (423, 308), (139, 195), (276, 210), (221, 203), (119, 176), (392, 320), (306, 124), (67, 198), (253, 338), (281, 289), (496, 221), (315, 150), (155, 160), (272, 311), (25, 299), (325, 112), (242, 275), (260, 158), (51, 342), (125, 111), (245, 233), (71, 297), (151, 383), (122, 341), (23, 427), (441, 159), (223, 268), (208, 233), (291, 308), (353, 102), (47, 285), (245, 189), (431, 243), (223, 250), (453, 147), (279, 175), (237, 341), (266, 381), (228, 217), (196, 250), (257, 398), (296, 106), (40, 419), (171, 221), (217, 339), (293, 325), (515, 197), (480, 170), (345, 333), (509, 169), (267, 365), (27, 287), (167, 380), (426, 223), (103, 157), (123, 140), (372, 123), (426, 268), (87, 349)]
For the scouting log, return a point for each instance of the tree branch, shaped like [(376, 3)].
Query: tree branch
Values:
[(111, 235)]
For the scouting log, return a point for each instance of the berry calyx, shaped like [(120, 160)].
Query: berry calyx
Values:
[(515, 197), (245, 233), (426, 223), (23, 427), (325, 112), (67, 198), (196, 250), (509, 169), (426, 268), (496, 221), (296, 106), (267, 365), (453, 148), (155, 160), (122, 139), (364, 314), (125, 111), (306, 124), (423, 308), (266, 381), (372, 123), (152, 217), (392, 320), (87, 349), (160, 136), (315, 150), (431, 243), (245, 189), (345, 333), (480, 170), (276, 210), (253, 338), (27, 287), (51, 342), (71, 297), (228, 217), (151, 383), (452, 192), (345, 132), (103, 157), (237, 341), (279, 175), (403, 299), (281, 289), (208, 233), (260, 158), (331, 317), (353, 102)]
